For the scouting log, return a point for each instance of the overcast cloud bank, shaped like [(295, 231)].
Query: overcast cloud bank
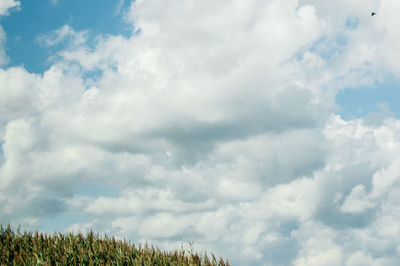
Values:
[(214, 122)]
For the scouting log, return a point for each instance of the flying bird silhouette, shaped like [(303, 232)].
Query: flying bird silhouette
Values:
[(373, 14)]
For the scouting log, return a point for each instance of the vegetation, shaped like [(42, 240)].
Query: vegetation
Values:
[(35, 248)]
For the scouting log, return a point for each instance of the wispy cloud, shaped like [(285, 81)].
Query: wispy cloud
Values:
[(118, 7), (64, 34)]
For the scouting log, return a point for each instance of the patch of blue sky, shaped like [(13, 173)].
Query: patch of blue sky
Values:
[(59, 222), (96, 190), (328, 48), (359, 102), (35, 18), (92, 76), (352, 22)]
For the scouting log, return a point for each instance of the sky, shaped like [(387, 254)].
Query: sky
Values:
[(266, 132)]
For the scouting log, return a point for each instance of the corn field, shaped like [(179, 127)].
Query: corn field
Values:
[(33, 248)]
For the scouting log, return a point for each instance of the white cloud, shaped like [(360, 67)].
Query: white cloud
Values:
[(357, 202), (213, 124), (65, 33), (3, 56), (19, 94), (5, 5)]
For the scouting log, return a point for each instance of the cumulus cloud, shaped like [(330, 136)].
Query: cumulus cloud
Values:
[(5, 5), (214, 123), (19, 94)]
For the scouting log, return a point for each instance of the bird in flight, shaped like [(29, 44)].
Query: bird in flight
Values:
[(373, 14)]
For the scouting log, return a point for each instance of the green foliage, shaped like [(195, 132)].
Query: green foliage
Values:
[(35, 248)]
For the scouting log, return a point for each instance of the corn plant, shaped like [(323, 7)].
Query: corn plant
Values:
[(34, 248)]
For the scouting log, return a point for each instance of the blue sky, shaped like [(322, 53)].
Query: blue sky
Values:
[(33, 19), (359, 102), (266, 132)]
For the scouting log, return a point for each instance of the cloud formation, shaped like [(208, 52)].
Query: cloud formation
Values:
[(5, 5), (3, 56), (214, 122), (65, 33)]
